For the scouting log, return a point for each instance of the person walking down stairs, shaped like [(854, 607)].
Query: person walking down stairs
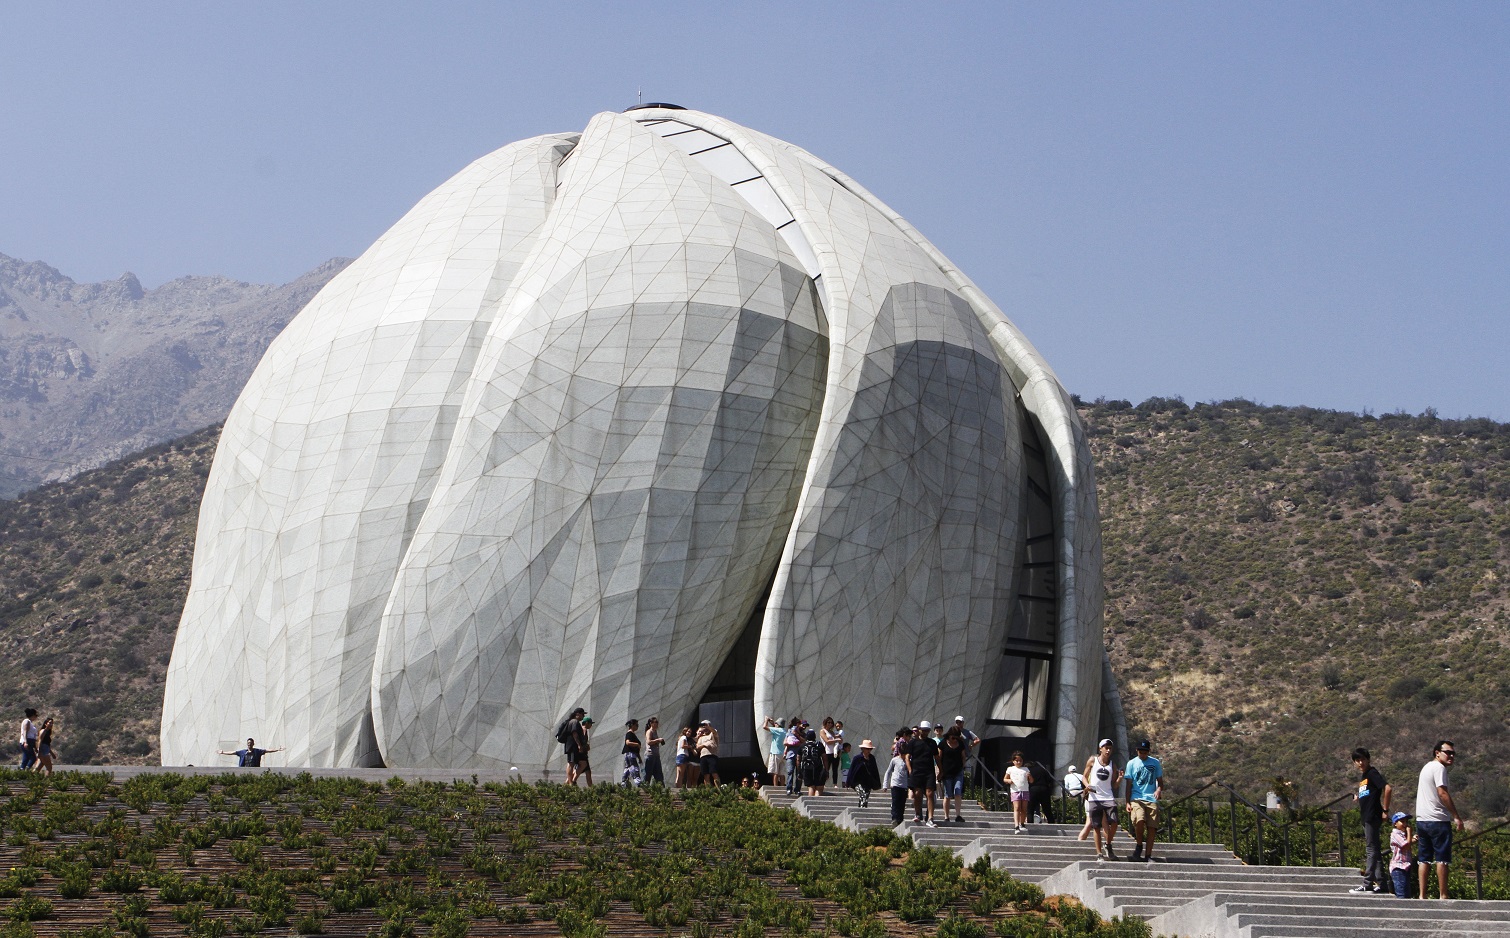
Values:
[(1101, 781)]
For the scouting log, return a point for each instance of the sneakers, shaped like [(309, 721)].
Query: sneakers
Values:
[(917, 819), (958, 819), (1362, 887), (929, 823), (1137, 855), (1109, 854)]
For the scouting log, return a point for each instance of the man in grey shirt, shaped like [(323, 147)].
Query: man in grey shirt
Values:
[(1435, 815)]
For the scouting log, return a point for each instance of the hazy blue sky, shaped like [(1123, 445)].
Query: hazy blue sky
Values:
[(1298, 203)]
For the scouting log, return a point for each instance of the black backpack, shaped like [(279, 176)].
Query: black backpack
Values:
[(563, 732)]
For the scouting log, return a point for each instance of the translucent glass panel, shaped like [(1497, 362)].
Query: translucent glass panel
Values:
[(721, 158), (1022, 690)]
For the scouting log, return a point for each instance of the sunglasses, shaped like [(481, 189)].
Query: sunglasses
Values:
[(1447, 752)]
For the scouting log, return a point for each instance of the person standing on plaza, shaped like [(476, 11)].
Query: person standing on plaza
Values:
[(864, 775), (583, 746), (1101, 781), (567, 734), (44, 747), (707, 752), (1074, 787), (1373, 797), (792, 751), (1402, 844), (1020, 780), (28, 739), (1144, 781), (1435, 817), (895, 779), (922, 773), (814, 765), (686, 759), (830, 741), (251, 756), (631, 775), (653, 742), (952, 757), (776, 761)]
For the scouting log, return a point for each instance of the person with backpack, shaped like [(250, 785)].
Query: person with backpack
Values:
[(814, 761), (567, 735)]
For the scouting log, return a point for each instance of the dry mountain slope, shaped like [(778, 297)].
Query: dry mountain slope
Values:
[(92, 371), (1283, 584)]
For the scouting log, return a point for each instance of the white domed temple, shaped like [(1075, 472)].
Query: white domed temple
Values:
[(663, 417)]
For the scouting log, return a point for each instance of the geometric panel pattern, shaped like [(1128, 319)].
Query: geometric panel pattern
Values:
[(326, 464), (549, 442)]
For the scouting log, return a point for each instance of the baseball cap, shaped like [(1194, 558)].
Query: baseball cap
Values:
[(587, 721), (706, 723), (925, 725), (959, 719), (1144, 745), (1398, 816), (1104, 742), (1072, 767)]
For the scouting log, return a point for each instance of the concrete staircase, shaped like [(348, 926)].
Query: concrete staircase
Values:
[(1189, 890)]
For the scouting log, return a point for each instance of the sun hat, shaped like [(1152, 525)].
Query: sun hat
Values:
[(867, 744)]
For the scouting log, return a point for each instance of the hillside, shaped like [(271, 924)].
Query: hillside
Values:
[(92, 371), (1282, 585), (93, 575)]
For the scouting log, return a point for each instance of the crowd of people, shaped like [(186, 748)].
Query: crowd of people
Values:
[(928, 763)]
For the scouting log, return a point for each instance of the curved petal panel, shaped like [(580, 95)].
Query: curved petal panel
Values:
[(624, 473), (325, 467)]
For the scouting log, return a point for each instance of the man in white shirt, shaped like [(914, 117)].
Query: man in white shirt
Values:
[(1435, 815)]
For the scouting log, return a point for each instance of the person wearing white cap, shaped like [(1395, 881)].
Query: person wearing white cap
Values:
[(1074, 787), (1102, 779)]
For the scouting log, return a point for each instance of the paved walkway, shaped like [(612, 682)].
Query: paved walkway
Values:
[(528, 774), (1193, 890)]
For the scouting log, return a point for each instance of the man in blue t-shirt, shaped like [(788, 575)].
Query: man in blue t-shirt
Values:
[(251, 756), (1144, 781)]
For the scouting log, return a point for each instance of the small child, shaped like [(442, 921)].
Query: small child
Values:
[(845, 758), (1020, 779), (1401, 855)]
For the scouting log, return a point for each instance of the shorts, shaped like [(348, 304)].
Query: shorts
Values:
[(582, 765), (45, 751), (1140, 812), (1021, 796), (954, 786), (1434, 841), (1102, 813), (777, 763), (922, 782), (682, 758), (709, 764)]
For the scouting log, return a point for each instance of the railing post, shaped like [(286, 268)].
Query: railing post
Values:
[(1312, 825), (1211, 815), (1232, 816), (1258, 839), (1287, 845), (1478, 871), (1341, 845)]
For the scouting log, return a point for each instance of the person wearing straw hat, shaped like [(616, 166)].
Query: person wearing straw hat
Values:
[(864, 775)]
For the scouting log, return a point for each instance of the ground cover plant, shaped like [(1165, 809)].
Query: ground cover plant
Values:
[(261, 853)]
